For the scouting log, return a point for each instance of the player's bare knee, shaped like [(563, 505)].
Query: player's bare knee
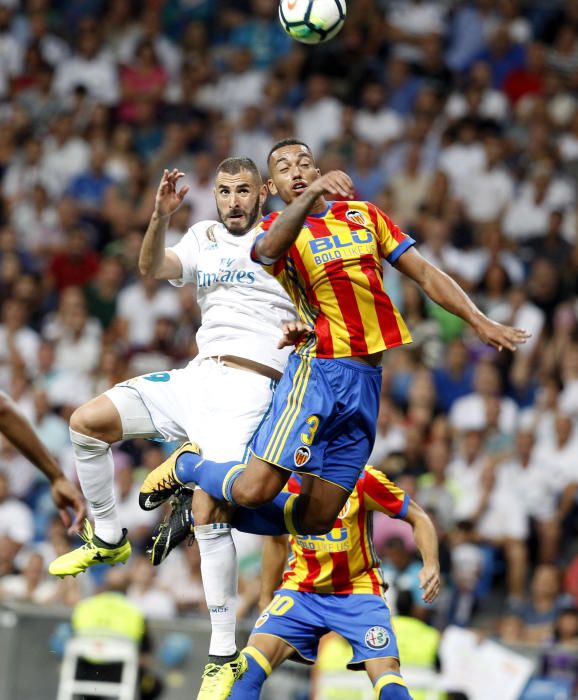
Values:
[(207, 510), (92, 421)]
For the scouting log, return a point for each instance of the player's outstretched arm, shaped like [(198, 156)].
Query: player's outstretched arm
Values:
[(442, 289), (286, 227), (273, 563), (15, 426), (426, 540), (154, 260)]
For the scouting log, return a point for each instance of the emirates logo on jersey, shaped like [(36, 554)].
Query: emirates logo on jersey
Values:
[(356, 217), (301, 455)]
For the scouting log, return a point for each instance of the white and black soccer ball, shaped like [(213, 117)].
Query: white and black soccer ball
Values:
[(312, 21)]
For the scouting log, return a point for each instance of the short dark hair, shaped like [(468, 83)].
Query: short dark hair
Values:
[(288, 142), (233, 166)]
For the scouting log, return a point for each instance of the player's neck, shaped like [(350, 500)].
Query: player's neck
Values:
[(318, 206)]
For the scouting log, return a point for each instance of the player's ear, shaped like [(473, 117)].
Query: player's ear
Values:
[(263, 192), (318, 171), (271, 186)]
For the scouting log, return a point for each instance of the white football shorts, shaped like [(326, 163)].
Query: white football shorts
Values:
[(216, 406)]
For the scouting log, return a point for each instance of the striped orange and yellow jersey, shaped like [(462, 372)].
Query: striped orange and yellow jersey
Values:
[(344, 560), (334, 276)]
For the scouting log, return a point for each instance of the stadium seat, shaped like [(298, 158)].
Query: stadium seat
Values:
[(99, 650)]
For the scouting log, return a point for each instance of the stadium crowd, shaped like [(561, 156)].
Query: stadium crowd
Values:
[(459, 119)]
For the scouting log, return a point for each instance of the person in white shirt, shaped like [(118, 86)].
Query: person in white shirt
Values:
[(469, 412), (318, 118), (537, 485), (16, 521), (92, 67), (375, 122), (218, 400), (490, 190), (464, 158), (141, 304)]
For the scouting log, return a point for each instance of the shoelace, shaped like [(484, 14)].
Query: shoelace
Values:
[(87, 534), (168, 481), (211, 672)]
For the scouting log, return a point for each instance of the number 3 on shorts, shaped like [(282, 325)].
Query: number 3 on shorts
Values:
[(280, 605)]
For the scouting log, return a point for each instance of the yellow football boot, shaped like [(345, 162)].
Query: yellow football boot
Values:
[(218, 680), (163, 481), (93, 551)]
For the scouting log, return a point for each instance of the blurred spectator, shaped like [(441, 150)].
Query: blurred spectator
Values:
[(16, 522), (489, 191), (469, 412), (374, 121), (91, 67), (146, 594), (144, 80), (32, 585), (89, 187), (18, 342), (540, 612), (66, 154), (261, 34), (318, 118), (456, 377), (77, 263), (401, 571), (141, 304)]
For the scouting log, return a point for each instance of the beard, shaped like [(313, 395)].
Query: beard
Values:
[(252, 218)]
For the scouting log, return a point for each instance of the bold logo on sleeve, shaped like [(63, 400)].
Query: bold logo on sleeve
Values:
[(301, 455), (377, 638)]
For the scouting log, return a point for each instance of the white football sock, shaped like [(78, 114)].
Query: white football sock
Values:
[(95, 469), (219, 572)]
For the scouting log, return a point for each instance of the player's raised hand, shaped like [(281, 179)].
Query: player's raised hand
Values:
[(430, 582), (334, 182), (499, 336), (293, 332), (168, 199)]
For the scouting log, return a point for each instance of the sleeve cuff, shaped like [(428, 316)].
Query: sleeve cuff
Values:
[(400, 250), (404, 508), (253, 253)]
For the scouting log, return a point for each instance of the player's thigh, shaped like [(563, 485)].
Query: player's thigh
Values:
[(99, 418), (167, 402), (364, 620), (274, 649), (231, 404), (296, 619)]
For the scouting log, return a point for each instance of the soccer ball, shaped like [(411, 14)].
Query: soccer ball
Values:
[(312, 21)]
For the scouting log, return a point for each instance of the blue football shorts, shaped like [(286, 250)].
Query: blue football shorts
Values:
[(301, 619), (322, 419)]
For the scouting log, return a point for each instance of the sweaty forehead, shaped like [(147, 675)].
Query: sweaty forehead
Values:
[(243, 177)]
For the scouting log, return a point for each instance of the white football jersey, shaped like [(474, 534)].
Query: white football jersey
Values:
[(242, 306)]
